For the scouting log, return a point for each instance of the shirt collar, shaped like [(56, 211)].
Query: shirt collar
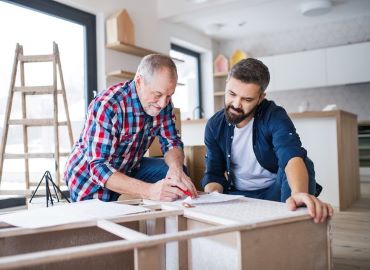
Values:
[(136, 104)]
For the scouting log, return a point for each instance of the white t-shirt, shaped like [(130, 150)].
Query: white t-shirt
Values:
[(249, 174)]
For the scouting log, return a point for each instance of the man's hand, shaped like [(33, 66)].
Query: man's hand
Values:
[(318, 210), (181, 180), (166, 190)]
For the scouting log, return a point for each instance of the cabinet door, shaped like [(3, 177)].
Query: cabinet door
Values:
[(269, 62), (300, 70), (349, 64)]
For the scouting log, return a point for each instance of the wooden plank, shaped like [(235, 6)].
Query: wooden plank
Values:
[(220, 75), (33, 155), (24, 127), (63, 92), (36, 122), (219, 93), (348, 160), (120, 231), (130, 49), (36, 90), (183, 245), (127, 75), (308, 250), (55, 116), (147, 258), (36, 58), (8, 109)]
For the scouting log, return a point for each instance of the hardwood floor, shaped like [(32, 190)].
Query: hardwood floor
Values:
[(351, 234)]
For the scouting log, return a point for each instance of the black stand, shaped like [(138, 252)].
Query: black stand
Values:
[(47, 177)]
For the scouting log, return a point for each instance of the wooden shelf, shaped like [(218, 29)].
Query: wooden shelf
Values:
[(219, 75), (122, 74), (135, 50), (219, 93), (130, 49), (128, 75)]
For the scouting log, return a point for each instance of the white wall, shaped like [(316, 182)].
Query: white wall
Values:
[(150, 33), (353, 98)]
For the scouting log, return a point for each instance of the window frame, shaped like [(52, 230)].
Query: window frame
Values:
[(197, 55), (83, 18)]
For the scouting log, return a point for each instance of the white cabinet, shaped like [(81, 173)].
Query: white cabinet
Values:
[(269, 62), (348, 64), (300, 70), (318, 68)]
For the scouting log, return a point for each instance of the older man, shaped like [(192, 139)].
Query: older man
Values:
[(121, 124), (255, 143)]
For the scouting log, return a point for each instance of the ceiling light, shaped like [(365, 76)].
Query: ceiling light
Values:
[(315, 7)]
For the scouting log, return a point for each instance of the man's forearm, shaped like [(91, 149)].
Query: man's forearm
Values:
[(123, 184), (297, 175), (174, 158)]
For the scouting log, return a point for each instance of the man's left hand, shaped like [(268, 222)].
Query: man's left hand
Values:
[(318, 210), (179, 175)]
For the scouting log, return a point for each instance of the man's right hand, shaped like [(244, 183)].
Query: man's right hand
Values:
[(166, 190), (213, 187)]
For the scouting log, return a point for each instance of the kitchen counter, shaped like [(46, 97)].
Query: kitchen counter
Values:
[(330, 138)]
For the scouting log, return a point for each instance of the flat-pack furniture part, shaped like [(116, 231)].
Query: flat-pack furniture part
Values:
[(242, 234)]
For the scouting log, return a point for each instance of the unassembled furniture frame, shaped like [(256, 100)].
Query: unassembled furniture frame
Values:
[(170, 237)]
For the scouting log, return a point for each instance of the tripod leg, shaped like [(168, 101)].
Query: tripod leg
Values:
[(54, 185), (49, 192), (55, 191), (34, 193)]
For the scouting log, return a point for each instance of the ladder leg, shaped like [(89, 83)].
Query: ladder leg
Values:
[(71, 141), (24, 127), (56, 130), (8, 110)]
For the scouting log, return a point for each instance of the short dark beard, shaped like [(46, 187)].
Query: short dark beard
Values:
[(234, 120)]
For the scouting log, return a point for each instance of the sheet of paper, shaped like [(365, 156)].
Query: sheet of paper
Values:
[(213, 197), (68, 213)]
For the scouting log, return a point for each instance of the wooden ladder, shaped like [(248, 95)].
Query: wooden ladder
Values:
[(24, 122)]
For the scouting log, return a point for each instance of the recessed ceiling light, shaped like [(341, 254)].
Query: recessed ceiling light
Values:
[(315, 7), (241, 24), (196, 1)]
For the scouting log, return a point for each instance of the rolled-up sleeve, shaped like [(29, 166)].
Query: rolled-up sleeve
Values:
[(169, 136), (102, 142), (285, 140), (215, 160)]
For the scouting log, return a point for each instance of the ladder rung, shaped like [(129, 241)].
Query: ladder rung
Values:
[(36, 122), (33, 155), (36, 90), (36, 58)]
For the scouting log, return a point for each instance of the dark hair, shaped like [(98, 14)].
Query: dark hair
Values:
[(154, 62), (251, 70)]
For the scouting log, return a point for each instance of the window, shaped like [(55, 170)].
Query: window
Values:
[(188, 92), (35, 25)]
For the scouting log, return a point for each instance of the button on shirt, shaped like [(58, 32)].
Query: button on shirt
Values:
[(116, 135)]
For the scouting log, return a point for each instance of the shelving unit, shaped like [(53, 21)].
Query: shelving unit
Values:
[(219, 82), (133, 50), (364, 143), (127, 75)]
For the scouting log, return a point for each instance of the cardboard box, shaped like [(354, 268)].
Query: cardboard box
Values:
[(195, 162), (155, 149)]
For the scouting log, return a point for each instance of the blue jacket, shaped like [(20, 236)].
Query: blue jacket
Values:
[(275, 142)]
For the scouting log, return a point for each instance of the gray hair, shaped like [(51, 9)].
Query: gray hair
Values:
[(155, 62)]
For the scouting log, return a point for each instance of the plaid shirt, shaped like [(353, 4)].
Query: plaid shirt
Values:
[(116, 135)]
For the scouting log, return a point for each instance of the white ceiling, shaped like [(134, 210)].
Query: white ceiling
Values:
[(239, 18)]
